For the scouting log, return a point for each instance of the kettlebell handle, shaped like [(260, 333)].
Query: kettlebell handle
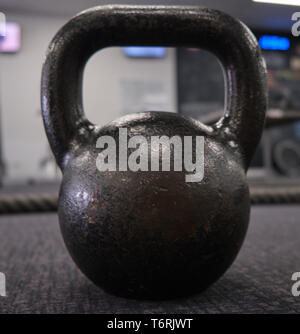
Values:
[(104, 26)]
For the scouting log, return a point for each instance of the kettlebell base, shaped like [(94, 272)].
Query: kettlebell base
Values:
[(158, 294), (179, 284), (155, 297)]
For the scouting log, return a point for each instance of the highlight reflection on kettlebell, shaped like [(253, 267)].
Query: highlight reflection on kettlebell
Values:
[(153, 235)]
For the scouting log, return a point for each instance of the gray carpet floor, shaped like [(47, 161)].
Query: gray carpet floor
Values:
[(41, 277)]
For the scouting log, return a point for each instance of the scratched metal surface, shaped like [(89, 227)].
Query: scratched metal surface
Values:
[(41, 277)]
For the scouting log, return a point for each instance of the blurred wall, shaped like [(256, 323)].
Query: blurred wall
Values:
[(110, 82)]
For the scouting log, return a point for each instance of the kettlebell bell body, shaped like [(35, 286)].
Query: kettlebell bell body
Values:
[(151, 234)]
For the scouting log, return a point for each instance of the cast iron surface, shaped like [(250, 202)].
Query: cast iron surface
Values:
[(151, 234)]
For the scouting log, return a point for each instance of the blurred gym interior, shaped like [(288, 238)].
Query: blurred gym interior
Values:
[(40, 275)]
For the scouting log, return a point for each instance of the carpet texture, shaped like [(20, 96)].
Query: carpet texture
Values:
[(41, 277)]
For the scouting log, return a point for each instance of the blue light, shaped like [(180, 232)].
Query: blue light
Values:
[(268, 42), (144, 52)]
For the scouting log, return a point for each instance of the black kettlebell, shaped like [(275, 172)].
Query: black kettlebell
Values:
[(152, 234)]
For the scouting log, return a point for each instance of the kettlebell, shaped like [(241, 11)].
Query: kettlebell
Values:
[(151, 234)]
